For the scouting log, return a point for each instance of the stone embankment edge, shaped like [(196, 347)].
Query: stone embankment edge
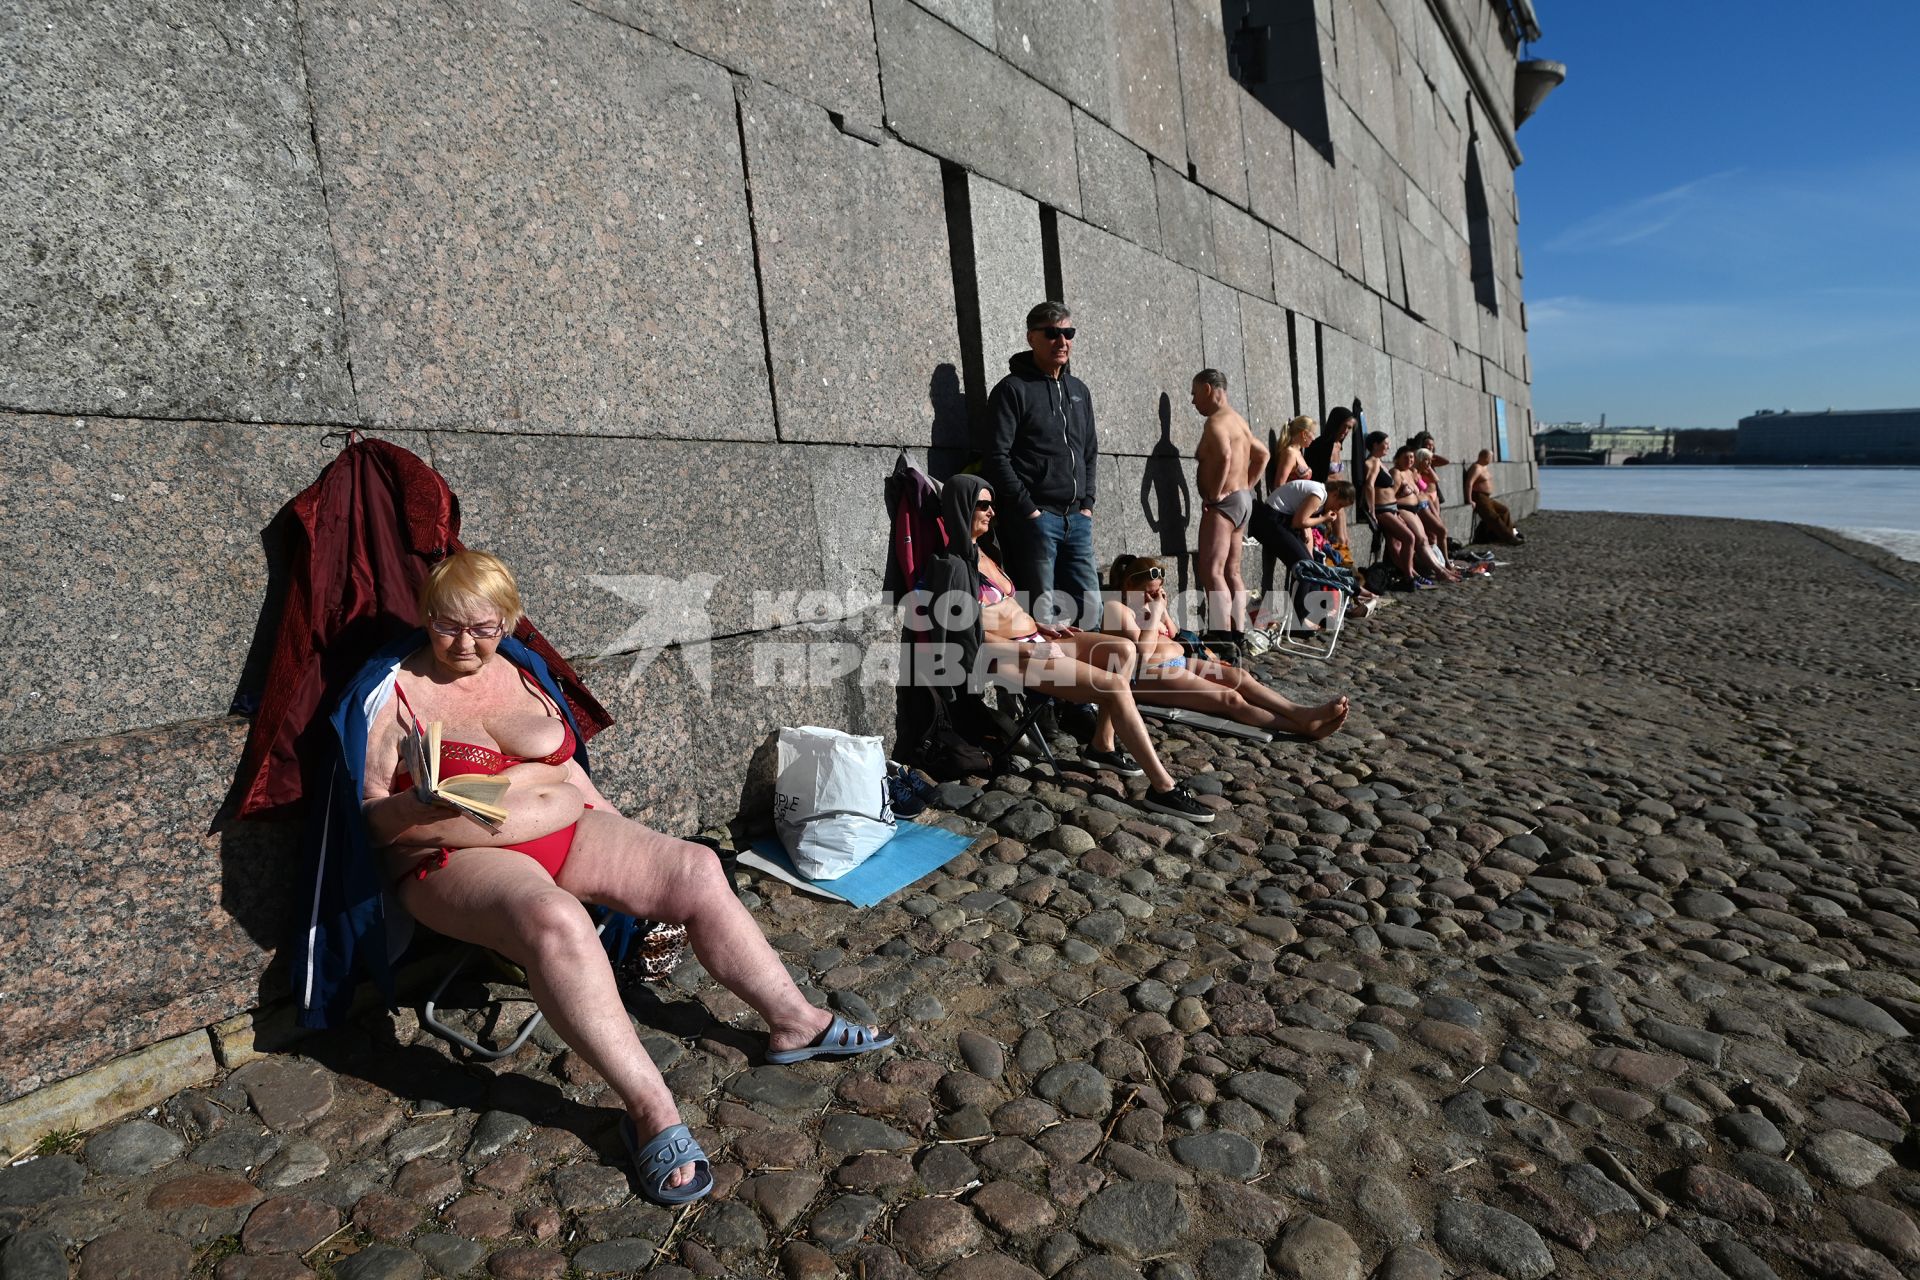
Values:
[(155, 1072)]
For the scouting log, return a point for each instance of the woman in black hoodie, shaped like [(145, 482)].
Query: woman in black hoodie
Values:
[(973, 609)]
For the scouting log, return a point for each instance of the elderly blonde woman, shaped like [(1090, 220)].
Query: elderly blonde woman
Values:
[(523, 889)]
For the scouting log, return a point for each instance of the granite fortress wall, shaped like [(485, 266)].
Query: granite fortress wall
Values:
[(662, 288)]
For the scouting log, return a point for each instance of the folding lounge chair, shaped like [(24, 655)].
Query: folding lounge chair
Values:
[(1303, 578)]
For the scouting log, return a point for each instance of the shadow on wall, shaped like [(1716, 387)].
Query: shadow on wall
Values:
[(951, 443), (951, 424), (1164, 496)]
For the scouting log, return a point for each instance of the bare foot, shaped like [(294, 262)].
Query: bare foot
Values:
[(1316, 723), (649, 1121)]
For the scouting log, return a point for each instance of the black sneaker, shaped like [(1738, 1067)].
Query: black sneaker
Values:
[(1118, 761), (1179, 802)]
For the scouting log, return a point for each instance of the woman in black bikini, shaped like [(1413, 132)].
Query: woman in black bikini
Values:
[(1380, 509), (1082, 666), (1413, 509)]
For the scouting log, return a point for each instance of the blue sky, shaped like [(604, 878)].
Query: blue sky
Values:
[(1720, 210)]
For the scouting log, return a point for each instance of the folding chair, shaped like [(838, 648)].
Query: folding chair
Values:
[(1305, 577), (430, 1018)]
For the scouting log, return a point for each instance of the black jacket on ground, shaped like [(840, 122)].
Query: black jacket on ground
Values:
[(1038, 447)]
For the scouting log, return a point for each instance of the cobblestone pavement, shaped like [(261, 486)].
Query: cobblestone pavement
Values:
[(1592, 948)]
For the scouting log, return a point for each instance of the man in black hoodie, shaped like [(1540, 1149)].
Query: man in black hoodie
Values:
[(1039, 451)]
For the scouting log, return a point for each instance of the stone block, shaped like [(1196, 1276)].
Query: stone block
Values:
[(250, 1036), (1009, 270), (133, 550), (1146, 78), (1139, 318), (1314, 180), (1242, 255), (1314, 395), (1186, 222), (1436, 400), (1268, 400), (1301, 278), (1116, 183), (1270, 182), (94, 1098), (1220, 338), (1409, 398), (692, 745), (1211, 100), (821, 50), (1352, 307), (854, 263), (625, 545), (541, 220), (1374, 371), (1061, 44), (168, 250), (959, 101), (1340, 374), (852, 525), (132, 923), (1394, 229), (1152, 509), (1400, 334), (974, 17), (1373, 247), (1345, 192)]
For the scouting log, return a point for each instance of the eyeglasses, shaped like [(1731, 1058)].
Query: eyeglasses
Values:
[(1155, 574), (479, 630), (985, 504), (1055, 331)]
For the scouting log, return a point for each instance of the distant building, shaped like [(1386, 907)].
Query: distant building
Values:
[(1882, 436), (1583, 443), (1704, 444)]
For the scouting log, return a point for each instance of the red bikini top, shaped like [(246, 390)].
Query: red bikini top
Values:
[(468, 757)]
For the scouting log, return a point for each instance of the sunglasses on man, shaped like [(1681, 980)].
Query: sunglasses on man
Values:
[(1055, 332)]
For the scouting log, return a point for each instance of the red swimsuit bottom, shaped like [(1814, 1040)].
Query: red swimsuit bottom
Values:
[(456, 758)]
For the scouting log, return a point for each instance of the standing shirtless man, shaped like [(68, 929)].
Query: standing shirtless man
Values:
[(1493, 513), (1230, 461)]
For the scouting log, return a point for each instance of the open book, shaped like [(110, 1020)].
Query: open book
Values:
[(478, 795)]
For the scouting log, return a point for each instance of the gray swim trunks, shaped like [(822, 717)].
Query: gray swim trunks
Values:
[(1236, 507)]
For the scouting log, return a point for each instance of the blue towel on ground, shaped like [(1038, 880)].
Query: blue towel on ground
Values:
[(915, 850)]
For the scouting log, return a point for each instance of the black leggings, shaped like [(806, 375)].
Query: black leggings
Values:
[(1280, 539)]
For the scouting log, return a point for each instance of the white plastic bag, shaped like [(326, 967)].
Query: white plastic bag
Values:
[(830, 801)]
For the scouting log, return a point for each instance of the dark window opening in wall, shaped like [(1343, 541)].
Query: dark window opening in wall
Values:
[(1273, 50), (1480, 232)]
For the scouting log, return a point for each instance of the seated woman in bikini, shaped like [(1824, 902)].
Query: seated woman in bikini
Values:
[(1428, 482), (1291, 463), (522, 890), (1083, 666), (1375, 488), (1417, 510), (1136, 608)]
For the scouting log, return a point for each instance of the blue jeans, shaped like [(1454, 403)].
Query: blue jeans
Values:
[(1050, 558)]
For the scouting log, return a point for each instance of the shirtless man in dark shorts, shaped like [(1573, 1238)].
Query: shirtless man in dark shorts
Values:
[(1230, 461), (1494, 513)]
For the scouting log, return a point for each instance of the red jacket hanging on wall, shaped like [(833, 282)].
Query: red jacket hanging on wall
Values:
[(362, 539)]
